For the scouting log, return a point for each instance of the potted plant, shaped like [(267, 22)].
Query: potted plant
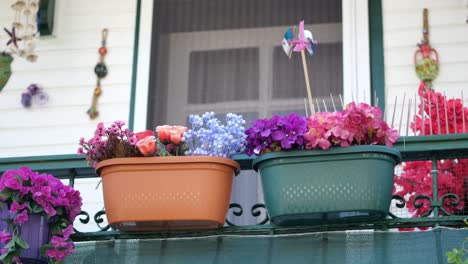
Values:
[(170, 178), (37, 213), (326, 167)]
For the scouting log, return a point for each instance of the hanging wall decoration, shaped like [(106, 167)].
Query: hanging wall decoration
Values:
[(426, 59), (21, 37), (5, 69), (34, 95), (101, 72), (23, 33)]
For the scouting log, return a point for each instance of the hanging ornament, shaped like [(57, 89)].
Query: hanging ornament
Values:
[(426, 59), (23, 34), (101, 72), (34, 95), (5, 69)]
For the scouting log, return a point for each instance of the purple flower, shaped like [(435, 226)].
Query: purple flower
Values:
[(5, 237), (26, 99), (33, 89), (279, 132), (15, 206), (21, 218), (46, 193)]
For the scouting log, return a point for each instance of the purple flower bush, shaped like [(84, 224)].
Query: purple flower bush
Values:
[(210, 137), (24, 192), (276, 133), (112, 142), (357, 124)]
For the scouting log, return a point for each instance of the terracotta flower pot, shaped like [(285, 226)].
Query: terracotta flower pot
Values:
[(160, 193)]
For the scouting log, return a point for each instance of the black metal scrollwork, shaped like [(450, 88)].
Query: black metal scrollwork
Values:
[(419, 203), (257, 212), (453, 202), (98, 218), (401, 203), (235, 212)]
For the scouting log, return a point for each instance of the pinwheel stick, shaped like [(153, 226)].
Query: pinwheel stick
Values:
[(306, 75)]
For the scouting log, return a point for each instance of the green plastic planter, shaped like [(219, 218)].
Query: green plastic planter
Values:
[(339, 184)]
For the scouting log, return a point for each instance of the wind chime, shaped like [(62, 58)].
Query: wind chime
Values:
[(426, 58), (22, 37), (101, 72)]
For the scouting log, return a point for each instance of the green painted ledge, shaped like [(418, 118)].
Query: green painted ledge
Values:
[(411, 148)]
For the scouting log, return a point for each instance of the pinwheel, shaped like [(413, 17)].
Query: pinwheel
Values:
[(305, 41)]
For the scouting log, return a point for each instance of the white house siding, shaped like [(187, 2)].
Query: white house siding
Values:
[(65, 69), (448, 34)]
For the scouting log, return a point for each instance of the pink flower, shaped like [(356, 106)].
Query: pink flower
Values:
[(15, 206), (21, 218), (170, 134), (16, 260), (147, 146), (56, 254), (141, 135), (13, 183), (67, 232), (5, 237)]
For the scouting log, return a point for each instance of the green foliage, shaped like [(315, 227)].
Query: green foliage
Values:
[(456, 255)]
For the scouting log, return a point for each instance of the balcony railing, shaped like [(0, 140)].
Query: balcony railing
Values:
[(427, 148)]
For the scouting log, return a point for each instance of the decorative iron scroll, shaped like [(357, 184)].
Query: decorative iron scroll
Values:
[(235, 212), (256, 212)]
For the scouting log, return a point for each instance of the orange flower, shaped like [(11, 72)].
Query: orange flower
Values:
[(147, 146), (171, 134)]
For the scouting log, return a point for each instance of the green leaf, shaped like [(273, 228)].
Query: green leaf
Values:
[(10, 244), (23, 244), (37, 209), (59, 211), (2, 257), (5, 194)]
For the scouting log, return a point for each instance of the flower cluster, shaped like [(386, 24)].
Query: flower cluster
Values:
[(107, 143), (209, 137), (34, 94), (416, 179), (276, 133), (24, 192), (442, 115), (358, 124), (416, 176), (170, 141)]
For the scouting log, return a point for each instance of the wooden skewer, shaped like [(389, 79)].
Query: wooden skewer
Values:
[(415, 113), (463, 112), (402, 111), (318, 105), (342, 103), (325, 106), (306, 75), (394, 110), (423, 114), (446, 116), (430, 112), (408, 116), (333, 102), (454, 117), (438, 117)]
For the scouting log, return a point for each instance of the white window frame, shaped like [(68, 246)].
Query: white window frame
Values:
[(356, 58)]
